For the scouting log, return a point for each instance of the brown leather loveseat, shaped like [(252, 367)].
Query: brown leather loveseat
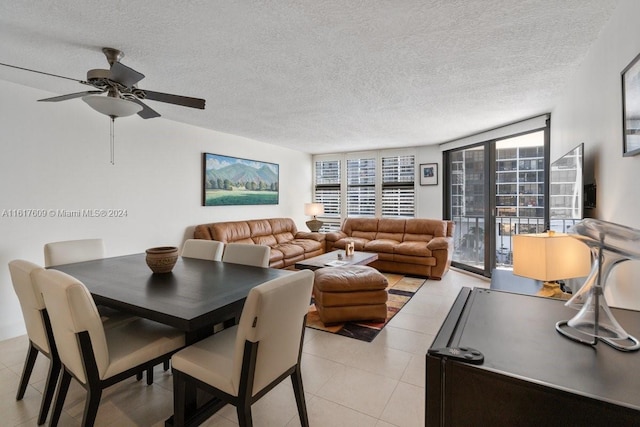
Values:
[(422, 247), (288, 245)]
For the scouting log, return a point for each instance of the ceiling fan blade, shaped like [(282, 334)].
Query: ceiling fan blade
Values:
[(184, 101), (146, 112), (41, 72), (71, 96), (127, 76)]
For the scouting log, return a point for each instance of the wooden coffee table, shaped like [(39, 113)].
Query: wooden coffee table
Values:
[(330, 259)]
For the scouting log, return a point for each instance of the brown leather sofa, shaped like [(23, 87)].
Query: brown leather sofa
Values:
[(423, 247), (288, 245)]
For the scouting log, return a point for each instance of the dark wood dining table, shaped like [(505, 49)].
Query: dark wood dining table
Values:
[(195, 296)]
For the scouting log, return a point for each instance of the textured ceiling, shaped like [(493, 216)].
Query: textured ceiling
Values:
[(318, 75)]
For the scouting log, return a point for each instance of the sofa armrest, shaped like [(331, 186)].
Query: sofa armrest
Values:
[(311, 235), (440, 243), (334, 236), (202, 232)]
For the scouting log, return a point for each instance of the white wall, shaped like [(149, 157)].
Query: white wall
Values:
[(429, 197), (56, 156), (590, 111)]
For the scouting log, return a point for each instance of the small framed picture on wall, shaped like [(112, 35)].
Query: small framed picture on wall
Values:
[(428, 174)]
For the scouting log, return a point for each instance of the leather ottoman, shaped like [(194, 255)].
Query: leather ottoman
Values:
[(350, 293)]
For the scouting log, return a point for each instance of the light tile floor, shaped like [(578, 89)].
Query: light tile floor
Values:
[(347, 382)]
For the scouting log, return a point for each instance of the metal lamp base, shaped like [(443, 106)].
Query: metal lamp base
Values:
[(552, 290), (628, 344)]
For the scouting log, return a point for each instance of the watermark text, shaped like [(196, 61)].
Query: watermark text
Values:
[(63, 213)]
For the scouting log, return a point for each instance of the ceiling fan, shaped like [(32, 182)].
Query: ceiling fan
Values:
[(123, 97)]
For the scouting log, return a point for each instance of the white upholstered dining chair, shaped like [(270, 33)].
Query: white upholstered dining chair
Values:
[(38, 330), (241, 364), (247, 254), (203, 249), (69, 251), (95, 356)]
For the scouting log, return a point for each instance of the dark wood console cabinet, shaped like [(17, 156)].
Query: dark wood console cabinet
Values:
[(531, 375)]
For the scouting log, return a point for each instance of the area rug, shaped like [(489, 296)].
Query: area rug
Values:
[(401, 289)]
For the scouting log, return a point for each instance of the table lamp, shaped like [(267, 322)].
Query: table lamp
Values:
[(550, 257), (313, 209)]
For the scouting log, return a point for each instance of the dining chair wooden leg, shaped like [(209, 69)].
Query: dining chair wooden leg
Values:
[(244, 414), (91, 406), (296, 380), (179, 401), (298, 390), (29, 362), (165, 365), (149, 376), (50, 387), (61, 394)]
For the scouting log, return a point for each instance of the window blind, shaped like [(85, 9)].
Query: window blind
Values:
[(327, 187), (398, 190), (361, 187)]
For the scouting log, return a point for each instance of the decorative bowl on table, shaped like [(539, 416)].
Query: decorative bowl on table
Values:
[(162, 259)]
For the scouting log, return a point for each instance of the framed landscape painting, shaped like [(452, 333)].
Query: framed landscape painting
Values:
[(233, 181)]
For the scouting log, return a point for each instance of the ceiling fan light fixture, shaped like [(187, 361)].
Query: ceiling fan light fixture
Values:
[(112, 107)]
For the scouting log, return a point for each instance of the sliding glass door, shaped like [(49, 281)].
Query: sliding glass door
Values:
[(466, 172), (494, 190), (520, 191)]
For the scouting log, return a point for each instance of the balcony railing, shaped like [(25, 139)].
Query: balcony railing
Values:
[(469, 236)]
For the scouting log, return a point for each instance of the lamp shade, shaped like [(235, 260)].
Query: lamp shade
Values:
[(313, 209), (111, 106), (550, 256)]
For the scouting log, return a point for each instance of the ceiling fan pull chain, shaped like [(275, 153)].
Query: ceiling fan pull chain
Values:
[(112, 132)]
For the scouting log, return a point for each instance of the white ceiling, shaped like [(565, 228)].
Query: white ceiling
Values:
[(318, 75)]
